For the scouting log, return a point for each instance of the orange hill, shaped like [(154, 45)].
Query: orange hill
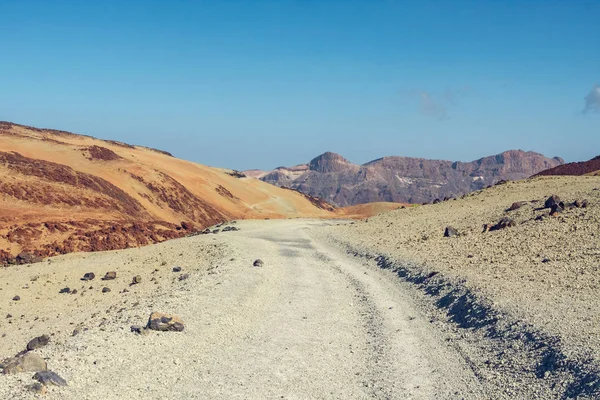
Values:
[(61, 192)]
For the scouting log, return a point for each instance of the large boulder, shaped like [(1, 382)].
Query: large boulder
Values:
[(27, 362), (165, 322)]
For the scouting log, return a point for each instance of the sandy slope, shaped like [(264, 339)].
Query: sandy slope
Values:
[(311, 323)]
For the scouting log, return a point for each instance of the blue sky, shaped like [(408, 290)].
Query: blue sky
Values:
[(259, 84)]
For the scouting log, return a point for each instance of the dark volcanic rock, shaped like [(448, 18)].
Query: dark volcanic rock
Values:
[(38, 342), (552, 201), (258, 263), (88, 276), (49, 378), (403, 179), (503, 223)]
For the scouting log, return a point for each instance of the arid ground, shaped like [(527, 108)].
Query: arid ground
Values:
[(381, 308)]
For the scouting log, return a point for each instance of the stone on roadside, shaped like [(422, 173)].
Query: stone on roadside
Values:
[(38, 342), (109, 276), (258, 263), (88, 276), (450, 232), (27, 362), (49, 378), (165, 322)]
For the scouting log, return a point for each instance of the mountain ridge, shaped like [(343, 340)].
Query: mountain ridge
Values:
[(333, 178)]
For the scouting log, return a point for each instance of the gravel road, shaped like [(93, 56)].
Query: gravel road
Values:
[(311, 323)]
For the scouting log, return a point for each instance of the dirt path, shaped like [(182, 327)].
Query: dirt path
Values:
[(311, 323)]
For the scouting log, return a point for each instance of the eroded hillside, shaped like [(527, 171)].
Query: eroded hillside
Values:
[(61, 192)]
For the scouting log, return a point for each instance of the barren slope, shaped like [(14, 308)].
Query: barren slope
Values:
[(61, 192), (590, 167), (538, 279)]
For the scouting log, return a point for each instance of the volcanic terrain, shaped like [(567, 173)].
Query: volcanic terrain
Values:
[(402, 179), (61, 192)]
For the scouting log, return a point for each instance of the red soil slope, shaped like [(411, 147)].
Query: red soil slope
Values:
[(575, 168), (61, 192)]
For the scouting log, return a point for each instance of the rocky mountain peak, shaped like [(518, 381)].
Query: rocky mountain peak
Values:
[(329, 162), (406, 179)]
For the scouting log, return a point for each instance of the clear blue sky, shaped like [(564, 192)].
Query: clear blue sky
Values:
[(258, 84)]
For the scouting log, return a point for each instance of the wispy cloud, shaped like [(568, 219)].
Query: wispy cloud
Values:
[(437, 104), (432, 107), (592, 100)]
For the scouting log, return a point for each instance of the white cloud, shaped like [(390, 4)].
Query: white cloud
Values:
[(592, 100)]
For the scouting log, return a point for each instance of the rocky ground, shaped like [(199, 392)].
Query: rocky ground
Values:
[(307, 321), (540, 272), (389, 307)]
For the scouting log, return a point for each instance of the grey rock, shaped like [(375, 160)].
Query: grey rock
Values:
[(49, 378), (258, 263), (38, 342), (450, 232), (88, 276)]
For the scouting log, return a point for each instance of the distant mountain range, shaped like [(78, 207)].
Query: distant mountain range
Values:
[(402, 179)]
